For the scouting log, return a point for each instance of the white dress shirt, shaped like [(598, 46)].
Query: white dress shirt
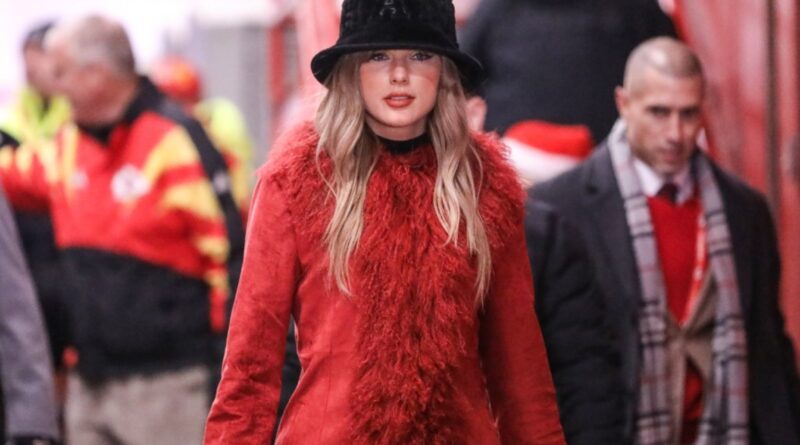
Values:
[(651, 181)]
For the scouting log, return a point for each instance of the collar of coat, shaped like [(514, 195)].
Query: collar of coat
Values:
[(604, 204)]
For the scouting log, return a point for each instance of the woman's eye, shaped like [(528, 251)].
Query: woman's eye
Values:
[(421, 56), (378, 56)]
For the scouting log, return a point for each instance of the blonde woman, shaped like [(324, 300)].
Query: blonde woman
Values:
[(394, 237)]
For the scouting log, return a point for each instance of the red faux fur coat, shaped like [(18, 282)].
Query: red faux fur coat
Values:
[(408, 358)]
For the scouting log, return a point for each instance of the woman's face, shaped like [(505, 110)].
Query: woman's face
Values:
[(399, 88)]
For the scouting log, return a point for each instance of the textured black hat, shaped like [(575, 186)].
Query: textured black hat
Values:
[(399, 24)]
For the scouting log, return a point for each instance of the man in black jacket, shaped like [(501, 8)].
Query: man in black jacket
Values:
[(686, 258), (551, 60), (149, 236), (583, 360)]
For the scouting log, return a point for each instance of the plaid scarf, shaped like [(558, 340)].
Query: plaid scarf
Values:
[(725, 415)]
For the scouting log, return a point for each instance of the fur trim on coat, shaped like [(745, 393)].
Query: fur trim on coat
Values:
[(407, 281)]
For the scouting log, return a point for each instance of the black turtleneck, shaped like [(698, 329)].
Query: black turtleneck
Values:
[(403, 147)]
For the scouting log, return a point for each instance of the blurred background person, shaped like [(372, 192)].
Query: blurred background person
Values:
[(149, 235), (552, 59), (28, 397), (583, 357), (180, 80), (686, 257), (37, 112), (33, 120), (540, 150)]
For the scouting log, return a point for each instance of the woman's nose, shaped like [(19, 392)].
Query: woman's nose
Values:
[(399, 72)]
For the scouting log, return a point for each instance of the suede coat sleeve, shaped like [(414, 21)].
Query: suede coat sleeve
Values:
[(246, 404)]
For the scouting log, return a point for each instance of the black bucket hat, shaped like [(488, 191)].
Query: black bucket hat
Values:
[(428, 25)]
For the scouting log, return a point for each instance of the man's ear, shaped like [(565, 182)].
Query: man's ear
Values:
[(621, 99)]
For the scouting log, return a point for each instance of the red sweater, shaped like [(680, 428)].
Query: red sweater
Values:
[(676, 237)]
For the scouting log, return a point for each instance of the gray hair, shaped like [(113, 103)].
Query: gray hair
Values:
[(34, 38), (93, 39)]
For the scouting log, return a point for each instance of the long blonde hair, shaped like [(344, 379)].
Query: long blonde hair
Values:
[(353, 150)]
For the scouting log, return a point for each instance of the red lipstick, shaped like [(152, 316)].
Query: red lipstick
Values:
[(399, 100)]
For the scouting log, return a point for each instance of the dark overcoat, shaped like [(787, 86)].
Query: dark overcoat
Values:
[(589, 198)]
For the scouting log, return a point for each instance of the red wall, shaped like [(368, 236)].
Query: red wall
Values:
[(732, 40)]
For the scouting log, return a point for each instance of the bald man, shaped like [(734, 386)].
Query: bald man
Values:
[(149, 237), (686, 259)]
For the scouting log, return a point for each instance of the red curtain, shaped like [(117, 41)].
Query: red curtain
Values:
[(750, 50)]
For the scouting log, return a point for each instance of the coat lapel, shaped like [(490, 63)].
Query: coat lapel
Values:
[(616, 272), (608, 212)]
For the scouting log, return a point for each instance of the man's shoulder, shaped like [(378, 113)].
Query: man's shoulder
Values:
[(735, 188), (533, 205), (573, 183), (541, 221), (568, 182)]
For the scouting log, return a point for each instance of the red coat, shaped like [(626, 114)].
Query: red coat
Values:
[(408, 358)]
